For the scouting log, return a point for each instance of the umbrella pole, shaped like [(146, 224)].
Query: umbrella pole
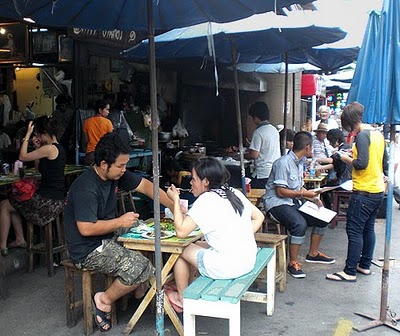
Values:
[(384, 309), (285, 111), (238, 115), (156, 178)]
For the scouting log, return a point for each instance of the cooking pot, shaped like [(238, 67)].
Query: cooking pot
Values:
[(165, 136)]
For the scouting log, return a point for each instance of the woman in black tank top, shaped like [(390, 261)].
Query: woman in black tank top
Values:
[(47, 202)]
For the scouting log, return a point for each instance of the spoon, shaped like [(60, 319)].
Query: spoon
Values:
[(180, 189)]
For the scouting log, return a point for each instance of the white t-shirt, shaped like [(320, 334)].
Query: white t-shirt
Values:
[(265, 141), (233, 248)]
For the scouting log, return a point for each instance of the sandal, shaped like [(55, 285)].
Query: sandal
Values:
[(4, 252), (105, 318), (170, 296), (341, 277)]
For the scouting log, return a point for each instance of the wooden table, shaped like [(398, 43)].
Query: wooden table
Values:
[(174, 246), (69, 171), (255, 196), (316, 181)]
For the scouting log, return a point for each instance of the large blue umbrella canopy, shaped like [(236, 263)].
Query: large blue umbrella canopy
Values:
[(256, 41), (326, 59), (360, 89), (129, 15)]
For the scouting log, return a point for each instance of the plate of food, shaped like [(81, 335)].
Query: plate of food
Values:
[(151, 234)]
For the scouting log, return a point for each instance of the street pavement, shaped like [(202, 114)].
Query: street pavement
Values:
[(311, 306)]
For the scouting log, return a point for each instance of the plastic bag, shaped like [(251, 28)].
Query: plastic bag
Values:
[(179, 130), (24, 189)]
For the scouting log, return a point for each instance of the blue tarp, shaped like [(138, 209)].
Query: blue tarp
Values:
[(129, 15), (377, 77)]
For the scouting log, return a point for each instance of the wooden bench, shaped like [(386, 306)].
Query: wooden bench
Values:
[(221, 298)]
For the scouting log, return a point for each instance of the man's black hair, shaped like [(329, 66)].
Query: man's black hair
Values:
[(259, 110), (109, 148), (301, 140)]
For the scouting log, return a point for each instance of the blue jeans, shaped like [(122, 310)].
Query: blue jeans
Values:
[(360, 228), (296, 222)]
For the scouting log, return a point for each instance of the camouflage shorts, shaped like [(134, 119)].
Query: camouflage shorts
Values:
[(131, 267)]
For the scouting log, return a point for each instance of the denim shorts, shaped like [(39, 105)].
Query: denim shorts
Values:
[(200, 263)]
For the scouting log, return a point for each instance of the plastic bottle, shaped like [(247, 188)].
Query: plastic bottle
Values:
[(312, 168)]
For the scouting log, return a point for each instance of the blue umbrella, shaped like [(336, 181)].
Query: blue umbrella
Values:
[(380, 93), (139, 15), (129, 15), (258, 43), (365, 62)]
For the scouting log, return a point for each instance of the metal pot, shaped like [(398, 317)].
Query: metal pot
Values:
[(165, 136)]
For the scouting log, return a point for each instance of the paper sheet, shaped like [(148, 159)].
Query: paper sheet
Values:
[(322, 213)]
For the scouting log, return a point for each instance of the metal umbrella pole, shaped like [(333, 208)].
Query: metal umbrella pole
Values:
[(156, 172), (385, 309), (285, 112), (238, 116)]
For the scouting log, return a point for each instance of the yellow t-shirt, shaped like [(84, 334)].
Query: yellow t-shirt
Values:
[(370, 179)]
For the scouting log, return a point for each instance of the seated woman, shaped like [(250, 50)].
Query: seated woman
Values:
[(47, 202), (228, 221)]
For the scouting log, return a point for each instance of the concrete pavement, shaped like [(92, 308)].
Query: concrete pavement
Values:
[(310, 306)]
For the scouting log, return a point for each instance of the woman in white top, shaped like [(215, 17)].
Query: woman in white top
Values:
[(228, 221)]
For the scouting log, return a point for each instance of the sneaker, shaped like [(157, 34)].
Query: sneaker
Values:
[(320, 258), (295, 271)]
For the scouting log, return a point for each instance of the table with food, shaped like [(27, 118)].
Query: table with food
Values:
[(141, 238)]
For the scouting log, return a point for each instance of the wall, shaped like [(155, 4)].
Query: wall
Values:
[(28, 89)]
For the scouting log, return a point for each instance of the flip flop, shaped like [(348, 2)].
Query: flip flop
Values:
[(105, 317), (175, 306), (338, 277)]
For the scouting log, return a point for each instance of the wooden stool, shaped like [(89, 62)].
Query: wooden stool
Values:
[(340, 203), (278, 242), (88, 291), (47, 246), (270, 220)]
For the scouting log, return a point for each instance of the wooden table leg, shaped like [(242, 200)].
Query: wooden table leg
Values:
[(149, 296)]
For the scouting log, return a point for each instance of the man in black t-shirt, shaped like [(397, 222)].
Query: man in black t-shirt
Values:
[(90, 216)]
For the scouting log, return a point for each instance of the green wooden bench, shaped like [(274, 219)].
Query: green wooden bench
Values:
[(221, 298)]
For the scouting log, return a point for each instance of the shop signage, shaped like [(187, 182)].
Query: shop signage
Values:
[(111, 38), (312, 85)]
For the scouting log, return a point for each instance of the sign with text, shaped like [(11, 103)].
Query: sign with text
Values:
[(111, 38)]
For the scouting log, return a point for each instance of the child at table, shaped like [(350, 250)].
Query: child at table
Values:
[(228, 221)]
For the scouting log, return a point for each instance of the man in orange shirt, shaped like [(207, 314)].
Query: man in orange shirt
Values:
[(95, 127)]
